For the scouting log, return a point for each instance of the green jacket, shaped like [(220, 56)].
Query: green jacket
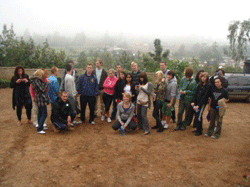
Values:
[(189, 86)]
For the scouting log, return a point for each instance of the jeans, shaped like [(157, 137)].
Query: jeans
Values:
[(184, 105), (142, 117), (214, 117), (198, 119), (156, 113), (41, 117)]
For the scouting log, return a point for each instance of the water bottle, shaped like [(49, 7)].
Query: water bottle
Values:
[(217, 107), (122, 131), (195, 109)]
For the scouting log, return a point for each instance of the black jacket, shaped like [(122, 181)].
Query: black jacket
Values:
[(21, 94), (201, 95), (119, 89), (60, 111)]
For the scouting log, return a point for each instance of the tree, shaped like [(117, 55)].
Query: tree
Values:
[(82, 60), (239, 38)]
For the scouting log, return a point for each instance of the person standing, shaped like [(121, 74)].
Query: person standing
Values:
[(62, 114), (135, 73), (200, 100), (143, 102), (187, 90), (20, 83), (101, 76), (108, 95), (88, 89), (54, 88), (118, 70), (119, 88), (160, 91), (217, 93), (41, 98), (130, 87), (169, 97)]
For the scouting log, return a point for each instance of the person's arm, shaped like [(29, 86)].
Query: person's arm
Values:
[(14, 81), (96, 88), (173, 95), (78, 86), (119, 113), (149, 90)]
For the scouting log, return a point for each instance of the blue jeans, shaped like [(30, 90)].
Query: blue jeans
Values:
[(41, 117)]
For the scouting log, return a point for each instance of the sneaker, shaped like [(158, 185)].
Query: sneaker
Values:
[(163, 123), (45, 128), (79, 122), (36, 125), (214, 137), (166, 126), (103, 118), (41, 132), (109, 120), (206, 134), (92, 123), (44, 125), (74, 122), (72, 125)]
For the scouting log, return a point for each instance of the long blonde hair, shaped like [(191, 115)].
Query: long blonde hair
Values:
[(39, 73), (160, 76)]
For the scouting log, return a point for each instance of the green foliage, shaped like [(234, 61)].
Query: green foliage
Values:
[(15, 52), (4, 83), (82, 60), (230, 69), (178, 67)]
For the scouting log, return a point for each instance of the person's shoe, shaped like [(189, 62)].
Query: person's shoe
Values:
[(92, 123), (41, 132), (166, 126), (109, 120), (198, 133), (207, 135), (177, 128), (78, 115), (214, 137), (44, 125), (146, 133), (45, 128), (183, 128), (155, 127), (71, 124), (103, 118), (36, 125), (160, 130)]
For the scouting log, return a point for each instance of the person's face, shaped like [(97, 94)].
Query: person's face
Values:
[(162, 66), (122, 75), (118, 68), (200, 75), (169, 77), (64, 97), (89, 69), (218, 83), (111, 74), (141, 79), (203, 79), (20, 72), (128, 78), (125, 99), (56, 73), (98, 64), (134, 67)]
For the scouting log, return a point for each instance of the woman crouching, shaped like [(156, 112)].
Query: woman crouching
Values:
[(125, 112)]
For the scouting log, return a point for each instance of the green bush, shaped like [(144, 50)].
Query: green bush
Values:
[(4, 83)]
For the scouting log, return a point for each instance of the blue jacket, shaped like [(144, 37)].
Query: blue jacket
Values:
[(87, 85), (53, 88)]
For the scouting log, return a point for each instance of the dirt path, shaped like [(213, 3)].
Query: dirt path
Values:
[(98, 156)]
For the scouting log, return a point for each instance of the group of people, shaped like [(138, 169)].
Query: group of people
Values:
[(129, 93)]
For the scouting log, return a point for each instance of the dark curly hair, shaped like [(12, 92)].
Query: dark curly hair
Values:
[(16, 72)]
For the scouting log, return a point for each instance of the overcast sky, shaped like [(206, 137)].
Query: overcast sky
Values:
[(155, 18)]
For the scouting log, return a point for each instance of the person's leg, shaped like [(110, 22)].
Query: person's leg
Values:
[(132, 125), (210, 129), (156, 114), (42, 115), (28, 112), (101, 102), (198, 120), (60, 126), (180, 114), (139, 116), (173, 115), (188, 114), (83, 103), (116, 125), (114, 110), (35, 112), (19, 113), (145, 119), (108, 104), (218, 129), (91, 103)]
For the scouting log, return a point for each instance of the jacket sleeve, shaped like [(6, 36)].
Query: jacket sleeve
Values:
[(191, 88), (119, 112), (13, 82), (96, 87), (149, 90), (173, 91), (56, 114), (78, 86)]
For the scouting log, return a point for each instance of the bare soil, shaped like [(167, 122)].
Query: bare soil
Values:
[(98, 156)]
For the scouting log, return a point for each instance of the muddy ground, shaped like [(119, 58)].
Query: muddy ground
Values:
[(99, 156)]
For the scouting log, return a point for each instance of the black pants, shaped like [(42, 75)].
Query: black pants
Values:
[(157, 114), (107, 100), (131, 125), (28, 111), (90, 100), (114, 111), (198, 119)]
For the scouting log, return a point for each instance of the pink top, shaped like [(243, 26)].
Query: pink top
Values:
[(109, 85)]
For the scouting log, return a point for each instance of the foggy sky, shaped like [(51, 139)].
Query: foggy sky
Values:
[(204, 19)]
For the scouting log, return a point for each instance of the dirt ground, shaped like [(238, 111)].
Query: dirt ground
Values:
[(98, 156)]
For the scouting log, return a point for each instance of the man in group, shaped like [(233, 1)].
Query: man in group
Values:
[(88, 89), (75, 75), (53, 86), (165, 72), (70, 87), (62, 114), (114, 111), (101, 75), (135, 72), (187, 90)]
